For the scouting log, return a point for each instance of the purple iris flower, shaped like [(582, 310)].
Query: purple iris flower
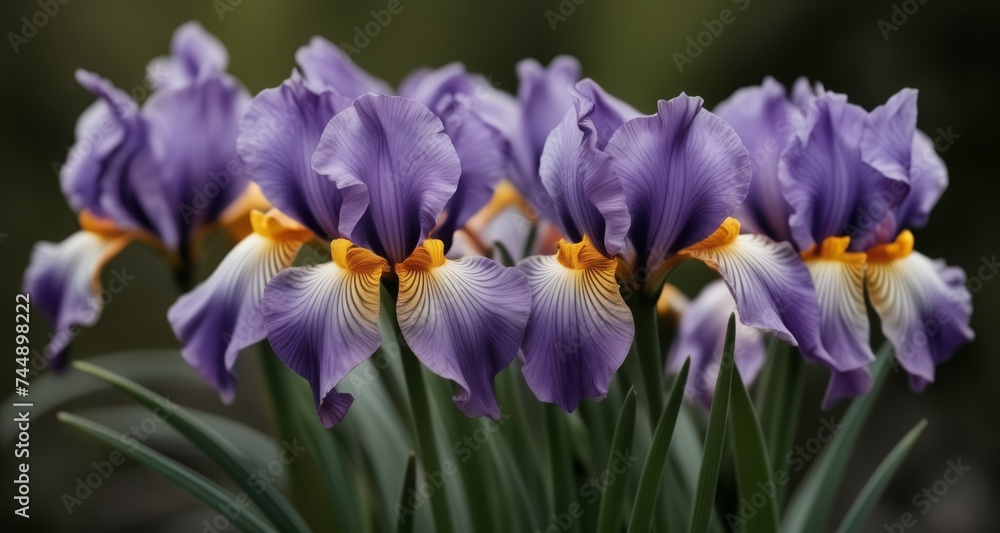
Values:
[(385, 180), (842, 185), (162, 172), (654, 190)]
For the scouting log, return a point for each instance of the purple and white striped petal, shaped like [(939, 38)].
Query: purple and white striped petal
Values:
[(222, 315), (322, 321), (580, 329), (464, 319), (684, 170), (398, 151)]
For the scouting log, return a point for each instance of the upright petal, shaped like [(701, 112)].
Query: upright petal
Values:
[(928, 180), (398, 151), (64, 281), (195, 55), (222, 315), (772, 288), (701, 335), (924, 306), (464, 319), (580, 329), (684, 170), (278, 136), (586, 193), (322, 321), (326, 66)]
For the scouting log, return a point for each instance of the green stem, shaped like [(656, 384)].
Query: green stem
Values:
[(647, 343), (559, 454)]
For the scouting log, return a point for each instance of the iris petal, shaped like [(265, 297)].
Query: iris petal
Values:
[(464, 319), (326, 66), (580, 329), (322, 321)]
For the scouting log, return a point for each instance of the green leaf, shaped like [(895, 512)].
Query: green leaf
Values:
[(753, 467), (779, 396), (810, 505), (652, 471), (611, 503), (197, 485), (708, 477), (230, 459), (404, 524), (506, 259), (876, 484)]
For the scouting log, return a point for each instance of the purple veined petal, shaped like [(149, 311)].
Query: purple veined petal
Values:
[(684, 170), (64, 281), (772, 288), (195, 55), (831, 190), (887, 139), (928, 180), (322, 321), (924, 306), (326, 66), (397, 149), (222, 315), (701, 334), (847, 384), (464, 320), (580, 329), (431, 86), (765, 120), (838, 276), (579, 177), (278, 135)]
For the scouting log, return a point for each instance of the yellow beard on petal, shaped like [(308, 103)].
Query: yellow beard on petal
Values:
[(277, 226), (584, 256), (887, 253), (834, 249), (725, 234), (425, 258), (358, 260)]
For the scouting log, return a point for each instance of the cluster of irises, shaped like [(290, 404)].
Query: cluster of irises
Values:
[(802, 202)]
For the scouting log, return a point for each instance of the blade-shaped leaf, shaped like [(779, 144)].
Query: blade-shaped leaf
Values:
[(779, 397), (404, 524), (229, 458), (810, 505), (652, 471), (753, 467), (876, 484), (611, 503), (708, 476), (194, 483)]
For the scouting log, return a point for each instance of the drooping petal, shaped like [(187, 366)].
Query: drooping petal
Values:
[(924, 306), (322, 321), (765, 119), (326, 66), (771, 286), (222, 315), (701, 335), (839, 279), (64, 281), (580, 329), (831, 190), (684, 170), (586, 193), (464, 319), (847, 384), (278, 136), (397, 150)]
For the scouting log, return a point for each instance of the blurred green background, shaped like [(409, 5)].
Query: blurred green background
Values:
[(945, 49)]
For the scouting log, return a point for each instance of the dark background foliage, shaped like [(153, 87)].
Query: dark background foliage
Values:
[(946, 49)]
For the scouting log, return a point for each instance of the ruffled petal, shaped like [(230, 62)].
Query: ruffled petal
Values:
[(64, 281), (924, 306), (278, 136), (222, 315), (771, 286), (684, 170), (195, 55), (397, 149), (464, 319), (701, 335), (839, 279), (322, 321), (580, 329), (586, 193), (325, 66)]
